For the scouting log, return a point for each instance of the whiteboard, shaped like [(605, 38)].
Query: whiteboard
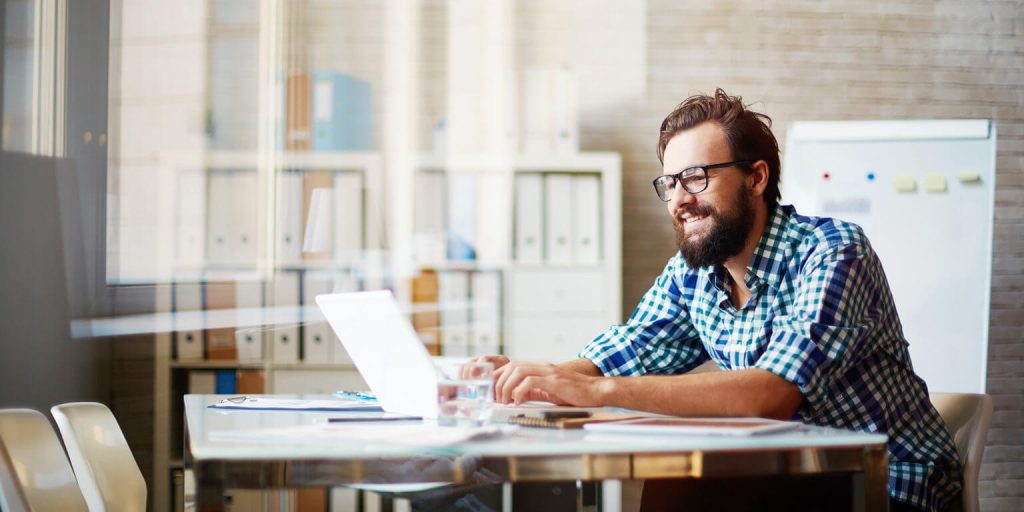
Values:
[(923, 193)]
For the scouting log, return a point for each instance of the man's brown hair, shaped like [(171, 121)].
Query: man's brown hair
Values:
[(749, 133)]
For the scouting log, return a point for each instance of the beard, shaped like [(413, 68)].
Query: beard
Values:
[(725, 237)]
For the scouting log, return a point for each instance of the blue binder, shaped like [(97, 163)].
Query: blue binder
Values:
[(342, 112)]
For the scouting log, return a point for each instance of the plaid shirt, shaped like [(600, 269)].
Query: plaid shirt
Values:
[(822, 317)]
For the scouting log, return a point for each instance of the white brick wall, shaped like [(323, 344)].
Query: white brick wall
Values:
[(846, 60)]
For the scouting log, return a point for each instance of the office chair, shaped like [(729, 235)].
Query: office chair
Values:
[(34, 472), (968, 417), (107, 472)]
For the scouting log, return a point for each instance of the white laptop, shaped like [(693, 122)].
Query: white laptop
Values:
[(390, 356)]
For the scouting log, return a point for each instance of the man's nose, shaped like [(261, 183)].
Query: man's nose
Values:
[(680, 197)]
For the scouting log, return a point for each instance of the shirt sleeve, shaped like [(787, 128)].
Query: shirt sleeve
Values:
[(659, 336), (825, 332)]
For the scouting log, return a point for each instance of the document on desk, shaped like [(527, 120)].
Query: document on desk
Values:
[(693, 426), (414, 434), (260, 403)]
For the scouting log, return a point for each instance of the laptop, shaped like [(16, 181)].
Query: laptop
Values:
[(393, 360)]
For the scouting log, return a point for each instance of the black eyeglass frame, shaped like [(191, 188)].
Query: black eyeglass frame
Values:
[(677, 178)]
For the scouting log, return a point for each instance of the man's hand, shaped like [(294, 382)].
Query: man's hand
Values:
[(523, 382), (497, 361)]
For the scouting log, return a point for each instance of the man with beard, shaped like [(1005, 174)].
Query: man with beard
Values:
[(797, 310)]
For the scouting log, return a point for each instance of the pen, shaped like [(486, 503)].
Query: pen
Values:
[(373, 418), (355, 395)]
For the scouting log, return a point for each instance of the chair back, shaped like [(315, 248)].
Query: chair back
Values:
[(968, 417), (107, 472), (34, 472)]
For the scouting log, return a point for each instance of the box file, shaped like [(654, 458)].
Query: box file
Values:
[(220, 217), (348, 217), (190, 218), (220, 342), (188, 343), (558, 218), (529, 218), (316, 230), (429, 202), (244, 218), (536, 111), (493, 223), (250, 381), (249, 340), (289, 217), (342, 112), (318, 339), (485, 313), (298, 113), (202, 382), (454, 304), (226, 383), (462, 216), (586, 220), (565, 116), (426, 319), (284, 336)]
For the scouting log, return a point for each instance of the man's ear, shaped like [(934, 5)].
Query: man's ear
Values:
[(758, 180)]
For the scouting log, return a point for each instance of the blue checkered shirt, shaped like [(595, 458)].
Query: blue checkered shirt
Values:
[(822, 317)]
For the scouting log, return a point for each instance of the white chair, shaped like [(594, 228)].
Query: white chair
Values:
[(107, 472), (34, 472), (968, 417)]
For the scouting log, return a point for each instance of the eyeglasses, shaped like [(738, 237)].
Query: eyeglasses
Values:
[(694, 179)]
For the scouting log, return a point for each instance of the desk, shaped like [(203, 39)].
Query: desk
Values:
[(527, 455)]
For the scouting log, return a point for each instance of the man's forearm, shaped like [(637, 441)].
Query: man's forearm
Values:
[(749, 392), (583, 366)]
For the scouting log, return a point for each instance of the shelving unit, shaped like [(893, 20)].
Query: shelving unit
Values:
[(543, 309)]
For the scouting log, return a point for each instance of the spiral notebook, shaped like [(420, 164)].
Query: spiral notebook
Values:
[(570, 423)]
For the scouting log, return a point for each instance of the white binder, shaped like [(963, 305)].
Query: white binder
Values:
[(586, 208), (486, 313), (317, 337), (220, 217), (529, 218), (565, 116), (285, 336), (462, 215), (492, 227), (244, 227), (249, 340), (558, 218), (453, 295), (188, 342), (348, 217), (190, 218), (343, 282), (429, 226), (289, 217), (536, 111)]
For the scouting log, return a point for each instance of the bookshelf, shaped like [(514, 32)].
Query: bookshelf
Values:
[(539, 305)]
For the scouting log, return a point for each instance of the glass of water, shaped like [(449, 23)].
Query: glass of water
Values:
[(464, 393)]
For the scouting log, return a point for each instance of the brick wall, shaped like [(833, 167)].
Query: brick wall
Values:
[(807, 60)]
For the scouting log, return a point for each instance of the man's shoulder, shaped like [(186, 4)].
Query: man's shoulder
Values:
[(808, 234)]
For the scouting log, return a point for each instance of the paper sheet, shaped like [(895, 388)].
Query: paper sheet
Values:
[(419, 434), (279, 404)]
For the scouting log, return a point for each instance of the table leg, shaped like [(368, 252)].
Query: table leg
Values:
[(876, 478), (209, 490)]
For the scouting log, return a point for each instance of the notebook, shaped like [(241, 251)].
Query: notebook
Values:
[(393, 360), (694, 426)]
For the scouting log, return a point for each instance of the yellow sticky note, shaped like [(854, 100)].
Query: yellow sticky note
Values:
[(935, 183), (968, 176), (904, 183)]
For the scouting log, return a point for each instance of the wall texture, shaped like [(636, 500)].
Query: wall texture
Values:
[(810, 60)]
